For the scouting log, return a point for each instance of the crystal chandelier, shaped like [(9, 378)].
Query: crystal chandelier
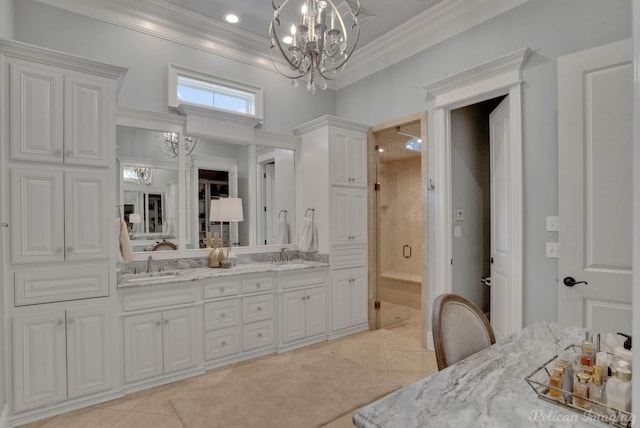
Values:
[(314, 39), (172, 140), (137, 174)]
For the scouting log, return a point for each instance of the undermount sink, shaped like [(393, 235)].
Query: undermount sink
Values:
[(155, 276)]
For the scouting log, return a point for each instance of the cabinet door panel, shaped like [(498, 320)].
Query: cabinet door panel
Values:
[(37, 216), (87, 220), (293, 316), (88, 351), (358, 216), (36, 113), (340, 304), (39, 355), (356, 158), (88, 120), (142, 346), (339, 162), (340, 228), (180, 333), (359, 296), (316, 307)]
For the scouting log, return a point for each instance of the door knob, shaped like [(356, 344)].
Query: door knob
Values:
[(569, 281)]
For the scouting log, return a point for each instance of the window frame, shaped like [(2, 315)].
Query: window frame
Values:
[(175, 72)]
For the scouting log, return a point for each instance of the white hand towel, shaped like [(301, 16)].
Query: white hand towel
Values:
[(125, 251), (282, 234), (309, 238)]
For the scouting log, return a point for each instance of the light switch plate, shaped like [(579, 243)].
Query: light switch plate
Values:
[(459, 214), (553, 223), (457, 231), (553, 250)]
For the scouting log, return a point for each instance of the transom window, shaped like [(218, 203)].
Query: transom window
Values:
[(186, 86)]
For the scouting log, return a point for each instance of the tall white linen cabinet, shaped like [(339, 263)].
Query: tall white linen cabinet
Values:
[(57, 184), (334, 185)]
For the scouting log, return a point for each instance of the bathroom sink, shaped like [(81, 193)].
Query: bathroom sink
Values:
[(150, 277)]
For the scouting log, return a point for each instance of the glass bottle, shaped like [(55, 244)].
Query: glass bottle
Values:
[(618, 389), (581, 390), (596, 389), (555, 382)]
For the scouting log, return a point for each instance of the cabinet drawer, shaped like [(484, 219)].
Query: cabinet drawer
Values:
[(222, 314), (57, 284), (302, 279), (222, 289), (257, 308), (348, 257), (222, 343), (260, 283), (257, 335), (153, 297)]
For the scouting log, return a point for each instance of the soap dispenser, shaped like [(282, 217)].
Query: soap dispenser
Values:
[(624, 351)]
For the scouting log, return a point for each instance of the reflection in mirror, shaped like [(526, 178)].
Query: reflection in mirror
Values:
[(220, 171), (147, 185), (275, 193)]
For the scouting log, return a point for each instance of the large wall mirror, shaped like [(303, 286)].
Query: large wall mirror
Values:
[(275, 196), (147, 184)]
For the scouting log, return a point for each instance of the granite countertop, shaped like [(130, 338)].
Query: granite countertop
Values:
[(199, 273), (487, 389)]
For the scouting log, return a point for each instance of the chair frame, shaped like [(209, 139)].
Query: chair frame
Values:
[(436, 327)]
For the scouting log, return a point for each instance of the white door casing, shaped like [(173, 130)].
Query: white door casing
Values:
[(501, 252), (595, 101), (502, 76)]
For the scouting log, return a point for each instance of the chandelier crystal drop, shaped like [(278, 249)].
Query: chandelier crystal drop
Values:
[(172, 141), (321, 39)]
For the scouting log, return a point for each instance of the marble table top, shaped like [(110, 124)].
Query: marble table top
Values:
[(487, 389)]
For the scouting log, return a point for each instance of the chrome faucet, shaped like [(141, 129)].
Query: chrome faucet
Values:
[(283, 255), (149, 260)]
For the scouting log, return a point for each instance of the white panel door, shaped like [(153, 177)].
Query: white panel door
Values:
[(88, 217), (180, 335), (39, 355), (501, 219), (316, 311), (595, 90), (357, 159), (36, 113), (142, 346), (339, 163), (358, 295), (88, 351), (37, 215), (358, 217), (88, 121), (340, 227), (293, 316), (340, 300)]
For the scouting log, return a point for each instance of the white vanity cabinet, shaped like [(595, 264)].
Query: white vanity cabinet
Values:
[(349, 299), (348, 157), (160, 343), (60, 354), (303, 308), (58, 216), (60, 116)]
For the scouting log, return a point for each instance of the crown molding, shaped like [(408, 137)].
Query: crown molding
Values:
[(128, 116), (434, 25), (327, 121), (277, 139), (169, 22)]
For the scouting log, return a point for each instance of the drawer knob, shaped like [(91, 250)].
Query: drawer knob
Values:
[(258, 285), (259, 334), (259, 308), (222, 315), (158, 323), (166, 322), (223, 343), (60, 322), (222, 289)]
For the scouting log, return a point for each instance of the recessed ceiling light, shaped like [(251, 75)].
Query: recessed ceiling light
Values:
[(231, 18)]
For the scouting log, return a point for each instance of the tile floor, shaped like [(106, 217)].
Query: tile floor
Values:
[(393, 351)]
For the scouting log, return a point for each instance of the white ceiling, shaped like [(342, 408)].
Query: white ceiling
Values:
[(255, 15)]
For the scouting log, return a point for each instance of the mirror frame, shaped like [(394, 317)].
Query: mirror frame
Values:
[(177, 123)]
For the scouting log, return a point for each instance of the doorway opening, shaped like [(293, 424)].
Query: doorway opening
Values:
[(397, 223), (472, 202)]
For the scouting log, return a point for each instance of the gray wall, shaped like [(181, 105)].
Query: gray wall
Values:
[(6, 19), (147, 58), (470, 175), (550, 28)]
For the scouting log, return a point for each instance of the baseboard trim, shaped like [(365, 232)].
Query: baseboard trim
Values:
[(4, 417), (430, 345)]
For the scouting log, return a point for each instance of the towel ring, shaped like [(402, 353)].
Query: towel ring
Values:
[(313, 213), (285, 214)]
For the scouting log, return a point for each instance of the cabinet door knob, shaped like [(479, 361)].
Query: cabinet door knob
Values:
[(69, 249), (58, 250), (223, 343), (166, 322), (5, 225), (158, 323), (60, 322), (258, 285), (259, 308), (69, 320), (68, 153), (57, 153), (259, 334), (221, 289), (222, 315)]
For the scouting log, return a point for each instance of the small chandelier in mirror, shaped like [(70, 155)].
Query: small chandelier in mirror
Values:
[(171, 143), (137, 174), (313, 38)]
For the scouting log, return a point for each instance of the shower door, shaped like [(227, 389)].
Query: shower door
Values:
[(397, 238)]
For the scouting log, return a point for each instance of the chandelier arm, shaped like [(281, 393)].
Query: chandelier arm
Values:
[(275, 65), (339, 68), (274, 35)]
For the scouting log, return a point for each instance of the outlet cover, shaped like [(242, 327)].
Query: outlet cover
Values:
[(553, 250), (459, 214), (553, 223)]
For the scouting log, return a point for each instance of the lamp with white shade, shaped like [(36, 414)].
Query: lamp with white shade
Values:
[(134, 219), (226, 210)]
